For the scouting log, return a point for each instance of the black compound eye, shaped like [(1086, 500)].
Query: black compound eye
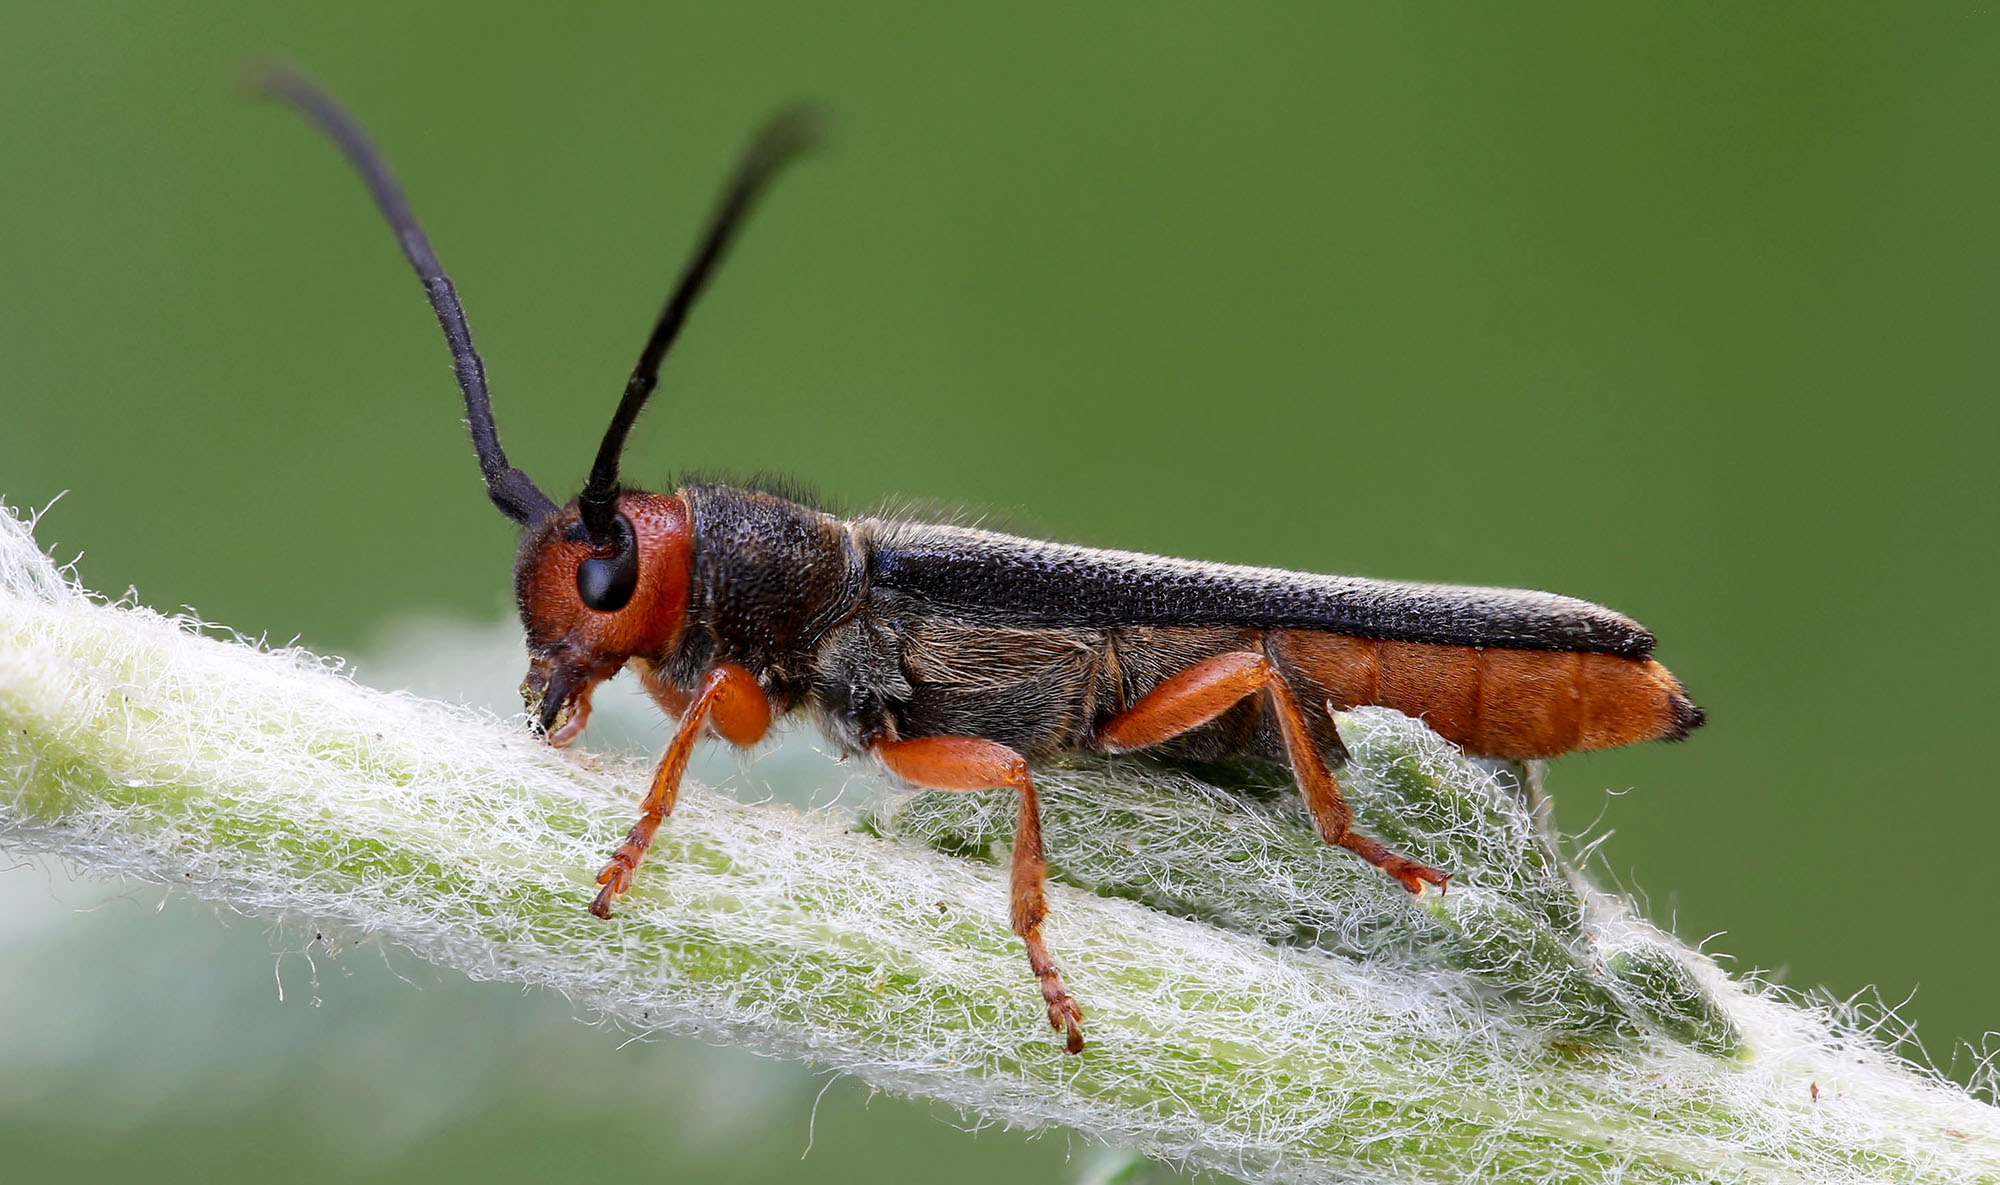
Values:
[(606, 582)]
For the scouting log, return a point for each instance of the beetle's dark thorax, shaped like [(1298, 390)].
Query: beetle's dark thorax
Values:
[(770, 577)]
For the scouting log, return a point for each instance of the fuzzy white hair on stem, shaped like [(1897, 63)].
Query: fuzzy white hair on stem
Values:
[(1260, 1005)]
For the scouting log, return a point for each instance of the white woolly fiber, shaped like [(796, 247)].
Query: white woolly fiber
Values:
[(132, 743)]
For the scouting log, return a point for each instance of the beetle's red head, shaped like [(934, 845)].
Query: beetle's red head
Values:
[(604, 578), (577, 635)]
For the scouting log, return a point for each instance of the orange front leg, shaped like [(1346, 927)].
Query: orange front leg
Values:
[(729, 698), (974, 763)]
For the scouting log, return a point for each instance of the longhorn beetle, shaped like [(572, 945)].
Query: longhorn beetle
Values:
[(958, 657)]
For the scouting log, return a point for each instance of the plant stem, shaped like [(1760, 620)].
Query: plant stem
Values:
[(1488, 1036)]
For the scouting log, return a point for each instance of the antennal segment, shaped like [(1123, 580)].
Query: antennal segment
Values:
[(510, 489), (782, 138)]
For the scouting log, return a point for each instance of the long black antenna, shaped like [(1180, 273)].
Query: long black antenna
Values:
[(782, 138), (510, 489)]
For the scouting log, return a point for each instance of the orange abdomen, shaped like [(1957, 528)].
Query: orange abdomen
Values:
[(1494, 702)]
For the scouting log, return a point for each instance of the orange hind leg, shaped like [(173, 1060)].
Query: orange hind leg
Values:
[(1213, 686)]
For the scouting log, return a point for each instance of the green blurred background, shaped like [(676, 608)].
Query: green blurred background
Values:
[(1688, 310)]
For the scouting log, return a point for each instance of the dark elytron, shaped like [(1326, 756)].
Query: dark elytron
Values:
[(1034, 582), (956, 657)]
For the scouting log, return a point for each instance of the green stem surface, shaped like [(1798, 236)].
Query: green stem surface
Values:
[(1255, 1003)]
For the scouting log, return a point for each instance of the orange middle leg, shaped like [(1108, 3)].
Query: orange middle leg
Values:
[(742, 713), (1211, 687), (974, 763)]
